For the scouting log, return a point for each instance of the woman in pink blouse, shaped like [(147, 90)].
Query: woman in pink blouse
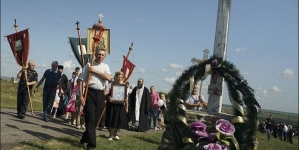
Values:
[(154, 112)]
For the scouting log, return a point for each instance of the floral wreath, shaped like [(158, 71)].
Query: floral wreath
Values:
[(239, 133)]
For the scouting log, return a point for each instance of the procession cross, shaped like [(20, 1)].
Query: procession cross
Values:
[(220, 44), (101, 16)]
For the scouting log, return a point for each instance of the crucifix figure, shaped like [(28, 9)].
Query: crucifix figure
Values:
[(101, 16), (197, 61), (215, 88)]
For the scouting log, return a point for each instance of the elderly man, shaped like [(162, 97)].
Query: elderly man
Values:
[(95, 100), (53, 78), (22, 95)]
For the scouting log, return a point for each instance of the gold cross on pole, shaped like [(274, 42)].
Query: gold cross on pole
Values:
[(101, 16)]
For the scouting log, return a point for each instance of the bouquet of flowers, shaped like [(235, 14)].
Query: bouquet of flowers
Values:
[(212, 141)]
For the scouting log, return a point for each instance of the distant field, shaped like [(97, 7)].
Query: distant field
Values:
[(9, 92), (278, 116)]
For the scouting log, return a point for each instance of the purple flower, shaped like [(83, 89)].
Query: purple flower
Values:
[(212, 146), (224, 147), (225, 127), (215, 62), (198, 128)]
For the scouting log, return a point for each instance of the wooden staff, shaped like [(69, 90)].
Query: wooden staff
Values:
[(95, 40), (25, 72), (80, 42), (101, 116), (130, 48)]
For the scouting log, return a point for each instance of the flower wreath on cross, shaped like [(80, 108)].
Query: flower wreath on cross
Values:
[(238, 133)]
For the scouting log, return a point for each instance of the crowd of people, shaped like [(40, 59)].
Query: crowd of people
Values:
[(64, 98), (280, 130)]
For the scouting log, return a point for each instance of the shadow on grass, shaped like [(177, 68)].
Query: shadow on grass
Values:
[(39, 135), (103, 136), (146, 139), (32, 145), (73, 142)]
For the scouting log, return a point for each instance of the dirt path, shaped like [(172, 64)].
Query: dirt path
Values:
[(14, 130)]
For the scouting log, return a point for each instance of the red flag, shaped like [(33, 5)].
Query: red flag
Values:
[(127, 69), (19, 44)]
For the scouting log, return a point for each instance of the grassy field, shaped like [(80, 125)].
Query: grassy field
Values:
[(148, 141), (143, 141), (9, 92), (9, 96), (278, 116)]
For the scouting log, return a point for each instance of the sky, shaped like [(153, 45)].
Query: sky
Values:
[(262, 40)]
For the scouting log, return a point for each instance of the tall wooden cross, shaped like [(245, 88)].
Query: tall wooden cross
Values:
[(220, 44)]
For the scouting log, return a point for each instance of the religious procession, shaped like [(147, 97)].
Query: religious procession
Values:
[(95, 98)]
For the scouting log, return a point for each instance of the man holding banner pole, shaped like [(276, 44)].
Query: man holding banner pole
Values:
[(22, 95), (19, 44), (95, 99)]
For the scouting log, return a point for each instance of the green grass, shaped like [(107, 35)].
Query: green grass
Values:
[(9, 96), (139, 142), (143, 141), (275, 144), (149, 141)]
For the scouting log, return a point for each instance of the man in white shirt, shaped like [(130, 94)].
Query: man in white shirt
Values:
[(95, 100)]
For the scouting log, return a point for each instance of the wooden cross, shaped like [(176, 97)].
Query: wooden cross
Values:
[(101, 16)]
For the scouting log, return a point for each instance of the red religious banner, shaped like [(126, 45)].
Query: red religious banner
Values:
[(127, 69), (19, 44)]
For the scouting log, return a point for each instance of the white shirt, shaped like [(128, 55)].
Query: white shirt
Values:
[(95, 81), (193, 100), (129, 91), (285, 129)]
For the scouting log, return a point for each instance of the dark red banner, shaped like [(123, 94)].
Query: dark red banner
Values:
[(19, 44), (127, 69)]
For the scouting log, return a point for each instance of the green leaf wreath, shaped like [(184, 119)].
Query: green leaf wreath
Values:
[(239, 93)]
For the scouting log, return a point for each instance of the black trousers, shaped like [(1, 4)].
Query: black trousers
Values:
[(94, 105), (23, 100), (290, 137)]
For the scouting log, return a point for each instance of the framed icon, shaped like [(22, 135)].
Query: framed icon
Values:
[(118, 92), (104, 41)]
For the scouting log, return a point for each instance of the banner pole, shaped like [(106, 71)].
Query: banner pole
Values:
[(80, 42), (95, 39), (130, 48), (25, 72)]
